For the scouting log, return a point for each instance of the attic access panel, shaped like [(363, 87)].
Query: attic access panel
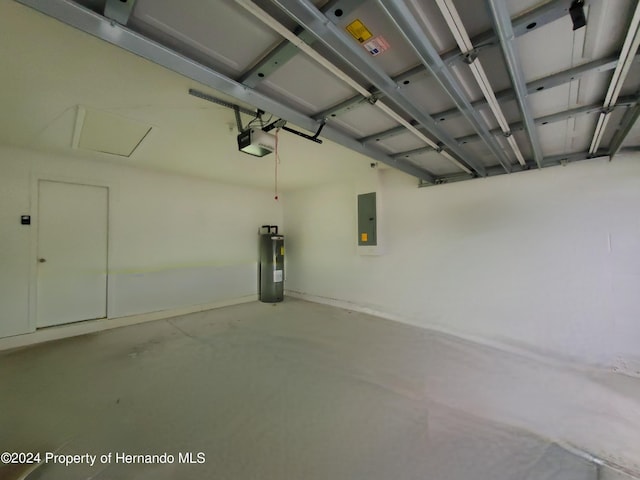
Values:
[(106, 132)]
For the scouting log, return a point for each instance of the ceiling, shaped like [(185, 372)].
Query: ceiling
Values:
[(49, 69), (419, 104)]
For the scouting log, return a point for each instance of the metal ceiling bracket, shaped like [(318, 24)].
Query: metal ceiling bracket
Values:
[(273, 60), (119, 10), (574, 112), (313, 138), (623, 102), (341, 108), (546, 13), (627, 56), (400, 14), (218, 101), (309, 17), (236, 111), (545, 83), (551, 161), (337, 9), (411, 153), (279, 123), (285, 50), (531, 20), (459, 31), (77, 16), (628, 121), (550, 81), (470, 57), (392, 132), (555, 160), (504, 29), (574, 73)]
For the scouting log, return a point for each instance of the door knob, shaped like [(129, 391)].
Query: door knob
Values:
[(42, 260)]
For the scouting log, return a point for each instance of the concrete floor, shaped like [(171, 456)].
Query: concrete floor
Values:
[(287, 391)]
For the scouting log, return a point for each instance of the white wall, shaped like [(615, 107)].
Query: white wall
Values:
[(174, 241), (545, 261), (543, 264)]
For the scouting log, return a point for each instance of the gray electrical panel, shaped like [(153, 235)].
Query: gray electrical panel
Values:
[(271, 265), (367, 220)]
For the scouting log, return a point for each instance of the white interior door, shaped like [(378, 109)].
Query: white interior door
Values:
[(72, 252)]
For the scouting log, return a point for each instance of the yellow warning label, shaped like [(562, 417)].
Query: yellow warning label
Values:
[(282, 251), (359, 31), (364, 237)]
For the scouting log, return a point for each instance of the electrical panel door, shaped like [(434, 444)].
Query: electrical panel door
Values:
[(367, 220)]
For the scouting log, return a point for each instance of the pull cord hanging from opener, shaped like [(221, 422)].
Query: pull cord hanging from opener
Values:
[(277, 161)]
